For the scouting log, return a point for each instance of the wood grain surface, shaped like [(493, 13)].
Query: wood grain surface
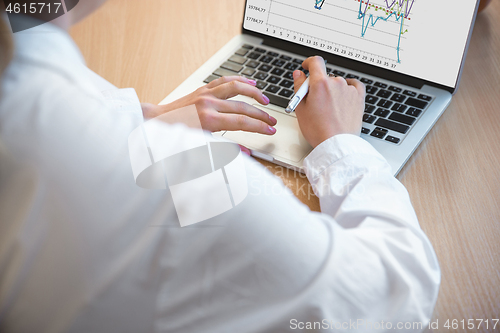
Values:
[(453, 178)]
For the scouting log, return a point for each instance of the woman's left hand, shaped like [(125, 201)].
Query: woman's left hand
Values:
[(216, 113)]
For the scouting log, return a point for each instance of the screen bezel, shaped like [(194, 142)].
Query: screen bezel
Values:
[(383, 73)]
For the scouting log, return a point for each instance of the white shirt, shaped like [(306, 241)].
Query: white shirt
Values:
[(84, 249)]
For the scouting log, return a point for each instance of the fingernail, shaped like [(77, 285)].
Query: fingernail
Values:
[(252, 82), (266, 99), (272, 130), (296, 74), (245, 150), (273, 120)]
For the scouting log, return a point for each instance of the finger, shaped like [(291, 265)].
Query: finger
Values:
[(358, 85), (246, 109), (235, 88), (240, 122), (298, 77), (227, 79), (316, 66)]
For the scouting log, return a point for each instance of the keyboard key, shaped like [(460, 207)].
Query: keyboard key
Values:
[(224, 72), (303, 70), (254, 55), (266, 59), (414, 112), (273, 54), (371, 99), (288, 75), (395, 89), (211, 78), (382, 112), (286, 58), (371, 90), (380, 85), (248, 47), (238, 59), (232, 66), (385, 104), (399, 107), (253, 64), (365, 130), (261, 76), (286, 93), (379, 133), (279, 63), (384, 93), (393, 126), (261, 85), (339, 73), (291, 66), (416, 103), (368, 118), (392, 139), (265, 68), (274, 79), (402, 118), (369, 108), (298, 61), (425, 97), (351, 76), (286, 84), (278, 100), (409, 93), (366, 81), (278, 71), (260, 50), (242, 52), (398, 98), (273, 89), (248, 71)]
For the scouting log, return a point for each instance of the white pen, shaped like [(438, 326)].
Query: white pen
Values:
[(298, 96)]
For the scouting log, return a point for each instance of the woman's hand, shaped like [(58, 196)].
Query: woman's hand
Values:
[(332, 106), (217, 113)]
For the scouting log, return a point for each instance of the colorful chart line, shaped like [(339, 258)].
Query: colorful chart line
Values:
[(370, 19), (319, 4), (400, 3)]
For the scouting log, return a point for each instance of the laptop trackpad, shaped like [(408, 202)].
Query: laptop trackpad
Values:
[(288, 142)]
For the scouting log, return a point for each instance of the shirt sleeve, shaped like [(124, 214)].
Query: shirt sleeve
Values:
[(124, 101), (272, 265), (353, 181)]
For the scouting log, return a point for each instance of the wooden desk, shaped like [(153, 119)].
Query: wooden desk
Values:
[(453, 178)]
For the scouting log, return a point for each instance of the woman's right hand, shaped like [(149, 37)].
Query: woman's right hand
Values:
[(333, 105)]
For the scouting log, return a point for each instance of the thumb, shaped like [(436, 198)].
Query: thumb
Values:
[(298, 77)]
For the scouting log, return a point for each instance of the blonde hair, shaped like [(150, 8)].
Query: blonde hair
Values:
[(6, 43)]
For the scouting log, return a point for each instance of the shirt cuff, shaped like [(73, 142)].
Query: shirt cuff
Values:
[(334, 149), (123, 101)]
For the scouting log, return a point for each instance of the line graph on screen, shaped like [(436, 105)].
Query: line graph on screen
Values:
[(362, 29), (399, 10)]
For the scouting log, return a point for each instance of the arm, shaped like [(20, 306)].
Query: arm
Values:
[(363, 258)]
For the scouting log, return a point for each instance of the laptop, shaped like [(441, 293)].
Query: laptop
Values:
[(408, 53)]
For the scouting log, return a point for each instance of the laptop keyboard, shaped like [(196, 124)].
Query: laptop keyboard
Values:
[(390, 111)]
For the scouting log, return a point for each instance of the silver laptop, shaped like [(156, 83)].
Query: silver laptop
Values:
[(408, 53)]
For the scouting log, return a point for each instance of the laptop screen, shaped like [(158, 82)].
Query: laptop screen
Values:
[(421, 38)]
